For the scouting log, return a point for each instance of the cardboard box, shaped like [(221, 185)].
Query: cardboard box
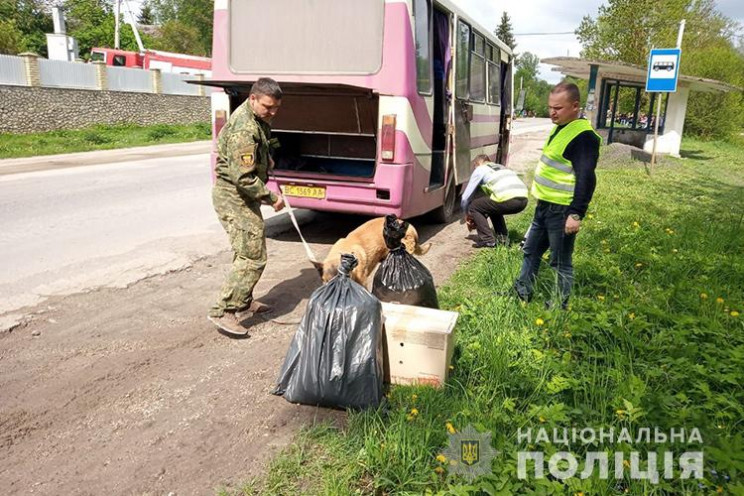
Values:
[(418, 344)]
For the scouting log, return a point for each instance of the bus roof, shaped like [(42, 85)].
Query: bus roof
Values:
[(488, 34)]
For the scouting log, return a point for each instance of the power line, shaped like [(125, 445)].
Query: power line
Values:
[(543, 34)]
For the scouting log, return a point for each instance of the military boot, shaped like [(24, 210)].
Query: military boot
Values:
[(229, 323)]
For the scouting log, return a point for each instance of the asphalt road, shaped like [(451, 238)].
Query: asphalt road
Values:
[(77, 229), (85, 223)]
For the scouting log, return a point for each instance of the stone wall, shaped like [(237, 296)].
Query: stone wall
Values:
[(34, 109)]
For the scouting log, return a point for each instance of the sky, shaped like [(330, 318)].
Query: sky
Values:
[(546, 16), (551, 16)]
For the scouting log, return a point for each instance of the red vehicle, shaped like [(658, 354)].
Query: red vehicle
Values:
[(178, 63)]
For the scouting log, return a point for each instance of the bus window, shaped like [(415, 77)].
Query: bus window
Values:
[(423, 45), (493, 74), (478, 69), (97, 57), (120, 60), (462, 64), (297, 36)]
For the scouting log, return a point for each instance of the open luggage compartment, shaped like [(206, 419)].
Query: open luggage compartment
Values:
[(326, 130)]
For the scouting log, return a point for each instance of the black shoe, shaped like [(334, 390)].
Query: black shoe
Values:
[(549, 305), (482, 244), (512, 293), (502, 240)]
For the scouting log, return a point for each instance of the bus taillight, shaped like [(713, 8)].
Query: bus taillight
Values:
[(387, 138), (220, 117)]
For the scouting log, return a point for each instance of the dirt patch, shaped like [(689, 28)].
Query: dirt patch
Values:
[(132, 391)]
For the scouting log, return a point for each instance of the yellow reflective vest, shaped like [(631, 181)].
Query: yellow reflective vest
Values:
[(554, 177)]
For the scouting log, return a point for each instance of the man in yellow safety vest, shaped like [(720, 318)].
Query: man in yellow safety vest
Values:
[(563, 185)]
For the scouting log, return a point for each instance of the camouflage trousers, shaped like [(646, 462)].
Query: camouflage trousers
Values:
[(244, 225)]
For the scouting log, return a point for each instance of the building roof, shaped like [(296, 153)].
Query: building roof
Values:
[(576, 67)]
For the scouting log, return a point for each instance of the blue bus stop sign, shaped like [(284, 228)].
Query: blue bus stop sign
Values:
[(663, 69)]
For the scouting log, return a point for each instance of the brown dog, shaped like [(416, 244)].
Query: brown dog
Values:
[(367, 244)]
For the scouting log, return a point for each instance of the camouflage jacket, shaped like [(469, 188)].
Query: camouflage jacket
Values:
[(243, 149)]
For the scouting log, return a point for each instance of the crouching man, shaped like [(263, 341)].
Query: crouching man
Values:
[(500, 193)]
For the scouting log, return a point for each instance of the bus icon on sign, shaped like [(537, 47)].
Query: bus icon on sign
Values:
[(663, 66)]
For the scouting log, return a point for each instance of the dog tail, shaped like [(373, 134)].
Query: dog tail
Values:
[(421, 249)]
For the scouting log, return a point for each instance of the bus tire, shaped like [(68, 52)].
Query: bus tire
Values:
[(447, 212)]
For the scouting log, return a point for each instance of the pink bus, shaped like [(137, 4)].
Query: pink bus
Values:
[(385, 103)]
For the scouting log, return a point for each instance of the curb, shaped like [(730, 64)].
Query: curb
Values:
[(98, 157)]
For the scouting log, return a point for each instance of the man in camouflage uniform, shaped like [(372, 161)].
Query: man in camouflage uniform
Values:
[(242, 169)]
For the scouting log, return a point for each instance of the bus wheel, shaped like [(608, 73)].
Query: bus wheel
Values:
[(446, 213)]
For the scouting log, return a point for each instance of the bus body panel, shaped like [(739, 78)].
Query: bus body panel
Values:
[(401, 186)]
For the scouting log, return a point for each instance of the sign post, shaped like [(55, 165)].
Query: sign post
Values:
[(663, 71)]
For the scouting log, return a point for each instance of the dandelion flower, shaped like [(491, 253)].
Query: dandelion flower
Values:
[(601, 297), (703, 296), (452, 367), (450, 428), (604, 241), (631, 316), (439, 470), (567, 335), (542, 419), (410, 417), (414, 397), (539, 321), (734, 313), (639, 265), (719, 300), (589, 216), (441, 458), (579, 494), (626, 463), (636, 224), (414, 411)]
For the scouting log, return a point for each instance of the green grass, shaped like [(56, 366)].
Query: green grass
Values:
[(652, 339), (99, 138)]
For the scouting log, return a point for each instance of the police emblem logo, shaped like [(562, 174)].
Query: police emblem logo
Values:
[(469, 453)]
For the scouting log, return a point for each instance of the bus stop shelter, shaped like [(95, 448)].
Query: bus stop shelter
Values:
[(622, 111)]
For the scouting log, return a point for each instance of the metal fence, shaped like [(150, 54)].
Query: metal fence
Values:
[(58, 73), (61, 74), (125, 79), (12, 70), (175, 84)]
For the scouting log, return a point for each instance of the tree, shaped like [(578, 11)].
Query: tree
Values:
[(146, 16), (527, 64), (626, 30), (31, 19), (10, 37), (176, 36), (504, 31), (193, 16), (92, 24)]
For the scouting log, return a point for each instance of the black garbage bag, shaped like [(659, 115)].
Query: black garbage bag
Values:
[(335, 358), (401, 278)]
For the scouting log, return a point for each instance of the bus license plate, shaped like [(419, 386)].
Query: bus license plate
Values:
[(304, 191)]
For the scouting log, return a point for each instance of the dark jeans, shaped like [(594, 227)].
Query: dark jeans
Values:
[(483, 207), (547, 231)]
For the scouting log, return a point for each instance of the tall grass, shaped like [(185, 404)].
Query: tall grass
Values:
[(653, 339), (100, 137)]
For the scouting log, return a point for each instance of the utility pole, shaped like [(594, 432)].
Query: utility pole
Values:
[(658, 103), (117, 11)]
